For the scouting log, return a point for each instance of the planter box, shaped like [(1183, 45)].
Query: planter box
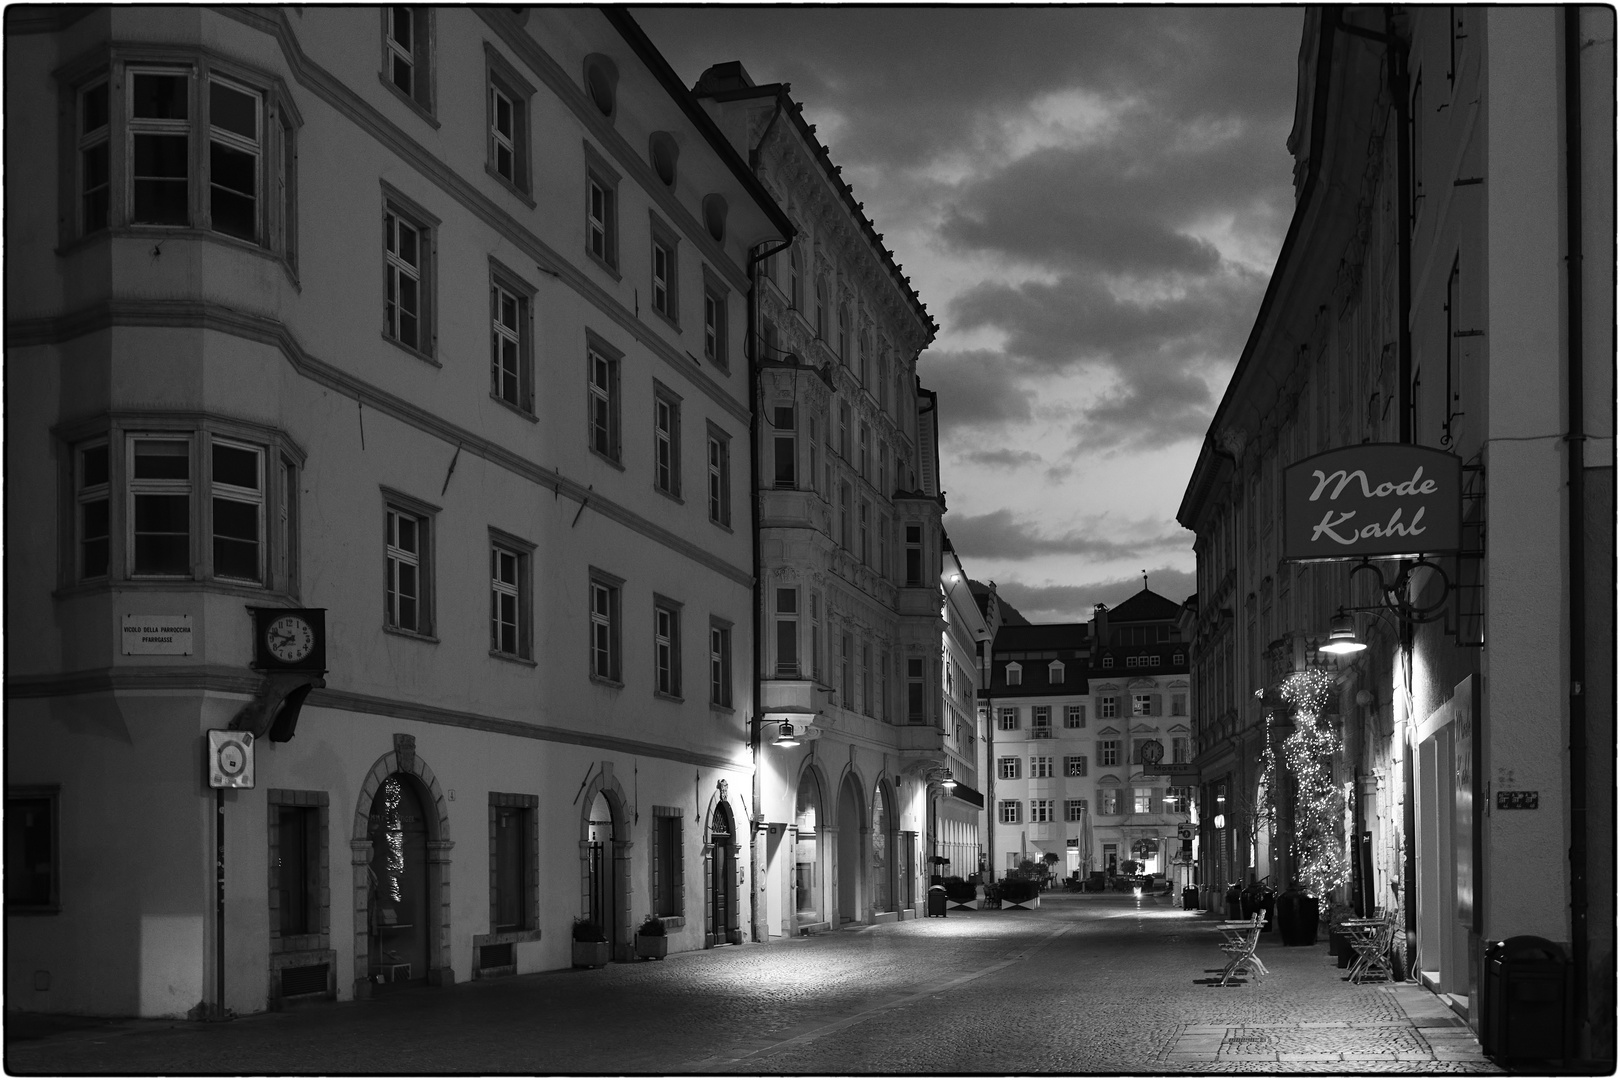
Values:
[(590, 954), (965, 905), (652, 946), (1032, 902)]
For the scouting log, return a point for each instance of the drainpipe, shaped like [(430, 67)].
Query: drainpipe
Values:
[(1578, 938), (989, 764)]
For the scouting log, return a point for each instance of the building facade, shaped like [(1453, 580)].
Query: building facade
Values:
[(512, 513), (856, 647), (1446, 285)]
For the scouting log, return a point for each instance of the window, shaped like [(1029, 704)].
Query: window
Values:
[(195, 148), (666, 441), (795, 280), (915, 708), (602, 83), (843, 334), (1008, 718), (511, 364), (509, 95), (238, 511), (299, 868), (865, 523), (815, 451), (160, 494), (1108, 662), (1040, 768), (914, 555), (719, 477), (1074, 716), (786, 447), (884, 713), (33, 875), (865, 461), (1175, 800), (510, 601), (1178, 704), (665, 273), (1040, 722), (1141, 800), (846, 686), (1010, 812), (92, 487), (883, 547), (720, 663), (603, 377), (1007, 768), (864, 370), (1109, 799), (1108, 752), (514, 875), (882, 478), (407, 233), (1107, 706), (866, 678), (1144, 704), (1074, 809), (1054, 673), (1074, 765), (1015, 674), (714, 327), (844, 497), (821, 309), (1179, 750), (604, 642), (666, 646), (1040, 811), (668, 862), (407, 45), (787, 633), (406, 591), (601, 210), (1178, 659)]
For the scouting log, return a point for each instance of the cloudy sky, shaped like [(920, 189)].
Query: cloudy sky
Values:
[(1089, 200)]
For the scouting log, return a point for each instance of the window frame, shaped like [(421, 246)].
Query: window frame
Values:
[(1009, 768), (604, 403), (1108, 753), (1040, 721), (397, 503), (603, 642), (308, 805), (1107, 707), (1010, 812), (666, 241), (1040, 767), (527, 808), (1040, 811), (668, 845), (501, 78), (784, 447), (522, 592), (721, 689), (666, 441), (1007, 718), (51, 796), (718, 462), (1075, 809), (601, 227), (666, 665), (504, 281), (418, 54), (1075, 765), (1074, 716), (424, 273)]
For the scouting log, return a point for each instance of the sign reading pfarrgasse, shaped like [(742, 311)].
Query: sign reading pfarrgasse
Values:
[(1373, 501), (155, 635)]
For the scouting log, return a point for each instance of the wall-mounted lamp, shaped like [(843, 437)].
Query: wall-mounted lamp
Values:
[(943, 778), (785, 734), (1342, 639), (1220, 821)]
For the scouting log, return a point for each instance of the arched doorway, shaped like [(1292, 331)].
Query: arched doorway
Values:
[(806, 851), (722, 927), (399, 921), (851, 825), (601, 892), (882, 864)]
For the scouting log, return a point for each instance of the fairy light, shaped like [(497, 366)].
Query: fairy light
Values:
[(1319, 805)]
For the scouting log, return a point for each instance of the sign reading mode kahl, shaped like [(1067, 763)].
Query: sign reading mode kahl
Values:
[(1373, 501)]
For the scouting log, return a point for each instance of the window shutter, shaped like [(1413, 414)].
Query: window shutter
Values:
[(1082, 765), (678, 886), (1155, 704)]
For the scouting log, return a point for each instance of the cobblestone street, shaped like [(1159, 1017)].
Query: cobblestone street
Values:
[(1081, 984)]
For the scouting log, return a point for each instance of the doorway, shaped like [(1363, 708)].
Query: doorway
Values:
[(849, 854), (722, 928), (399, 914), (600, 868), (806, 853)]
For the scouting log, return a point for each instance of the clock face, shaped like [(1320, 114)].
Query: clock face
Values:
[(289, 639), (232, 760)]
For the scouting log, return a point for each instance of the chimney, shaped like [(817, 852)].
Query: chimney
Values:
[(720, 78), (1099, 628)]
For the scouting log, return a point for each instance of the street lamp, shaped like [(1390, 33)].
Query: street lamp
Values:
[(785, 735)]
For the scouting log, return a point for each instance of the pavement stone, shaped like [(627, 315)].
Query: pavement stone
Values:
[(1083, 984)]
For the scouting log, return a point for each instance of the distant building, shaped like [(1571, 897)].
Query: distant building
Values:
[(424, 331), (1446, 295), (866, 639)]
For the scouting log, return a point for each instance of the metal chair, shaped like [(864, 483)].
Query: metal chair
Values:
[(1372, 953), (1242, 939)]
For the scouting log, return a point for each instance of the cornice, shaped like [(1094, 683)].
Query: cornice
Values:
[(197, 314)]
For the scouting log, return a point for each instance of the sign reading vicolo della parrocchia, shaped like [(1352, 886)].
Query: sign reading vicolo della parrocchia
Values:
[(1376, 500), (156, 635)]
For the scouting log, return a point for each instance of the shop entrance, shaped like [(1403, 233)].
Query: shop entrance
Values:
[(398, 911)]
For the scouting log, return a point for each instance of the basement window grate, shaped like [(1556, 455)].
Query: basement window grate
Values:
[(497, 956), (304, 980)]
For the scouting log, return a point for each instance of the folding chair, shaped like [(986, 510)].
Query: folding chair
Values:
[(1241, 941), (1372, 959)]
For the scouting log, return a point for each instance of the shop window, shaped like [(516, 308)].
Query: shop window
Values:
[(33, 874), (668, 862)]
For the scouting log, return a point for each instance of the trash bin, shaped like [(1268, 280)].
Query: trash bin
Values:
[(1189, 899), (936, 901), (1525, 1000)]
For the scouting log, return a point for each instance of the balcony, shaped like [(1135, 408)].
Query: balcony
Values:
[(790, 695)]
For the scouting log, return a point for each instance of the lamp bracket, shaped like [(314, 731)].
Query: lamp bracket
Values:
[(1394, 592)]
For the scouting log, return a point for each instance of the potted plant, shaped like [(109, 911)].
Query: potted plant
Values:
[(590, 943), (652, 943), (1019, 892)]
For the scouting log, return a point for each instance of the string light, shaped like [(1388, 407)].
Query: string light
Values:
[(1319, 803)]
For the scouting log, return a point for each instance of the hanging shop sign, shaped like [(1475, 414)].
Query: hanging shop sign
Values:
[(1373, 501)]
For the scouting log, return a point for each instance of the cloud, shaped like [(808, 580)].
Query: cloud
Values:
[(976, 387), (1074, 603), (1001, 458), (1001, 536)]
